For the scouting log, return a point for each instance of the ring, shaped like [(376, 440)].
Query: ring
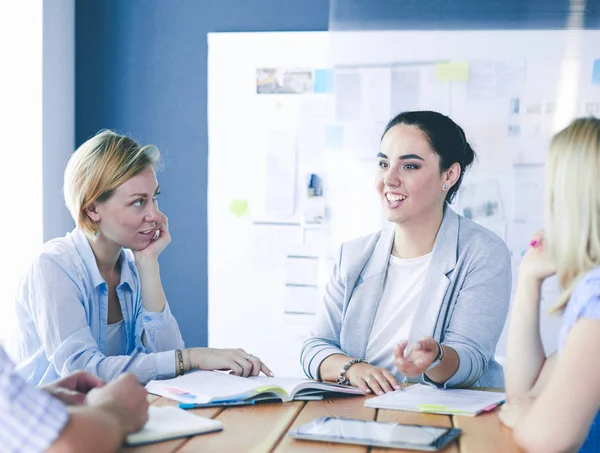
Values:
[(249, 356), (368, 379)]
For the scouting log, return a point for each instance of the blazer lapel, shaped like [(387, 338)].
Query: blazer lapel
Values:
[(435, 286), (367, 293)]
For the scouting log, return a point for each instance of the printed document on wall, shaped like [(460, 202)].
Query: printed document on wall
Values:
[(281, 174)]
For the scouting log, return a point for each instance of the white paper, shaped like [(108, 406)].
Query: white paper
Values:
[(405, 90), (495, 79), (301, 299), (301, 270), (281, 174), (376, 93), (422, 398), (529, 194), (348, 95)]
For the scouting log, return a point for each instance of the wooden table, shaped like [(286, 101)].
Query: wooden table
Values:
[(263, 427)]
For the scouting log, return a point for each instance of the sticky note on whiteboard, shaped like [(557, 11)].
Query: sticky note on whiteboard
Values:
[(239, 208), (596, 73), (452, 71)]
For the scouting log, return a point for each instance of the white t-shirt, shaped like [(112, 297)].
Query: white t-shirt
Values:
[(397, 308), (116, 339)]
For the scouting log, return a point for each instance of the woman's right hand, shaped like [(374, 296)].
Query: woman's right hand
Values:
[(372, 378), (238, 361), (537, 264)]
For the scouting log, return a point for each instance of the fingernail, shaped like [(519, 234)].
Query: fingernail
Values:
[(398, 387), (380, 393), (368, 391), (533, 243), (272, 374)]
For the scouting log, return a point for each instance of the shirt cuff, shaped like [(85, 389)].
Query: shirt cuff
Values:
[(315, 362), (165, 364), (154, 320)]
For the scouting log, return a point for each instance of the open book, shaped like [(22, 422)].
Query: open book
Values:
[(423, 398), (169, 422), (202, 387)]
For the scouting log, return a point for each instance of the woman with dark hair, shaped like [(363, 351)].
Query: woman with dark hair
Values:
[(426, 299)]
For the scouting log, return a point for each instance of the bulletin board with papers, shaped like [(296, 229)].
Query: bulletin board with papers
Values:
[(294, 127)]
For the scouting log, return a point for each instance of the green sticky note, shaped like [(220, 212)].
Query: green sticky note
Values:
[(452, 71), (239, 208)]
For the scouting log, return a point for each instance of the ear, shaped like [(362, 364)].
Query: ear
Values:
[(92, 211), (451, 175)]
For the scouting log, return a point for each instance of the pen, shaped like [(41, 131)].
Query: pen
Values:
[(403, 383)]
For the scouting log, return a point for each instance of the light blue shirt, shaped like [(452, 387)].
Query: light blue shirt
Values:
[(62, 313), (584, 303), (30, 419)]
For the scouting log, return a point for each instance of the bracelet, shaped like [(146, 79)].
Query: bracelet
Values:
[(341, 379), (438, 359), (180, 362), (189, 354)]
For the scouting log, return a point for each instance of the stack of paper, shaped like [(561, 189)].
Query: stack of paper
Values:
[(422, 398)]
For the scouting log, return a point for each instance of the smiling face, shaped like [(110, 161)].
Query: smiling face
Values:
[(130, 216), (409, 181)]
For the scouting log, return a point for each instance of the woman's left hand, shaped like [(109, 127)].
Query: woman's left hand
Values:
[(158, 243), (418, 358), (510, 413)]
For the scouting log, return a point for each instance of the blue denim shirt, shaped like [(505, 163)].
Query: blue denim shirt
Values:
[(584, 303), (62, 312)]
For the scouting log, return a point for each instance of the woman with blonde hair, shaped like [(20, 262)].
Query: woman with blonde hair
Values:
[(94, 297), (554, 402)]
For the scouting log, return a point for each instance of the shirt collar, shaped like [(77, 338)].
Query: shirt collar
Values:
[(84, 249)]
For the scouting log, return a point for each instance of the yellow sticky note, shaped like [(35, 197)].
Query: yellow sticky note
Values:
[(453, 71), (239, 207)]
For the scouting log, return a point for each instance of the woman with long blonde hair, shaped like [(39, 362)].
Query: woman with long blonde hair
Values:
[(554, 402)]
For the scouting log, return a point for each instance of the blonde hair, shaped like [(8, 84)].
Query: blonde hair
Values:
[(573, 203), (98, 167)]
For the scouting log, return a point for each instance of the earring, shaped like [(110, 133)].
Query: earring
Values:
[(97, 232), (445, 187)]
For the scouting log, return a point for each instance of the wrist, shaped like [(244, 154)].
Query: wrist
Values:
[(438, 359), (196, 356), (529, 278), (342, 376), (146, 262)]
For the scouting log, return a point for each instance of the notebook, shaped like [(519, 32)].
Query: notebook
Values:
[(202, 387), (169, 422), (423, 398)]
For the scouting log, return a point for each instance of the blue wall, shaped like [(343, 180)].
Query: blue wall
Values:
[(141, 68)]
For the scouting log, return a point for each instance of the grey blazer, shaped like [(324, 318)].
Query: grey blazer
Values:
[(463, 304)]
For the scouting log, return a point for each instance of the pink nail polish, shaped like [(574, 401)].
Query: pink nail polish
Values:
[(533, 243)]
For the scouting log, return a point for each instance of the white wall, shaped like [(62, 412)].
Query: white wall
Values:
[(21, 131)]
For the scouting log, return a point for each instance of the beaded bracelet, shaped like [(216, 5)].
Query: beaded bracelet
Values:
[(180, 361), (341, 379)]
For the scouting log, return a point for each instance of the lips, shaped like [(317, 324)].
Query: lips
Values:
[(394, 199), (148, 233)]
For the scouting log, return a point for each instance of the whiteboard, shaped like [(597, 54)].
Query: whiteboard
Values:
[(273, 122)]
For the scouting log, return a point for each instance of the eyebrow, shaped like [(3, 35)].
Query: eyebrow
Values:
[(404, 157), (143, 195)]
